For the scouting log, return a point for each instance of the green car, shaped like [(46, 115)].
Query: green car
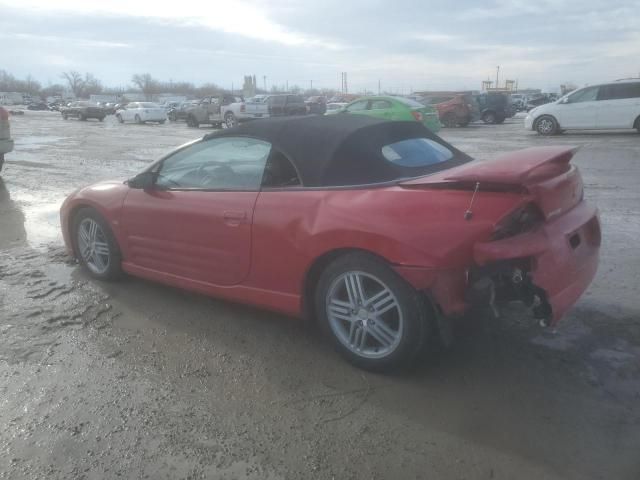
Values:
[(395, 108)]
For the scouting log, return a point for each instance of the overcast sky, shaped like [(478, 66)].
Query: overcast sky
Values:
[(406, 44)]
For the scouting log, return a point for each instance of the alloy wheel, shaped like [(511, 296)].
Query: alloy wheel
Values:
[(364, 314), (545, 126), (93, 246)]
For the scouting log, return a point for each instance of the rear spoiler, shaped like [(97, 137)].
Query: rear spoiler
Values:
[(519, 168)]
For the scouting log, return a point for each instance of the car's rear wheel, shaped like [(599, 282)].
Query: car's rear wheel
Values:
[(546, 125), (489, 117), (161, 122), (95, 245), (230, 120), (377, 320), (192, 122), (82, 117), (64, 117), (1, 161), (120, 119), (138, 120)]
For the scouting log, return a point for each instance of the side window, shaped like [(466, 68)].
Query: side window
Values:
[(586, 95), (231, 163), (380, 104), (279, 172), (358, 106), (619, 91), (278, 100)]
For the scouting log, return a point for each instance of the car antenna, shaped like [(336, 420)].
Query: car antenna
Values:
[(468, 215)]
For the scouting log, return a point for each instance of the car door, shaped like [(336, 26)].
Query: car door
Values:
[(618, 105), (580, 109), (196, 222)]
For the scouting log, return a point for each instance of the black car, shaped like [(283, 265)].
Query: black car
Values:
[(283, 105), (83, 111), (495, 107), (38, 106), (316, 105)]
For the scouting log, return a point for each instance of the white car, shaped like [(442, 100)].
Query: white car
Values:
[(613, 105), (335, 107), (141, 112)]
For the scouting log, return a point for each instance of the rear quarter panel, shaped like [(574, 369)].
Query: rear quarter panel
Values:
[(406, 227)]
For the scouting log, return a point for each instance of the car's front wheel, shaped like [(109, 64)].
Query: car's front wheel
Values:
[(376, 319), (546, 125), (120, 119), (138, 120), (95, 245)]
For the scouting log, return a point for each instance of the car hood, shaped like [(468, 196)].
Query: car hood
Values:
[(106, 192)]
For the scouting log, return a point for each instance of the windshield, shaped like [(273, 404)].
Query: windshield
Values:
[(408, 102), (149, 105)]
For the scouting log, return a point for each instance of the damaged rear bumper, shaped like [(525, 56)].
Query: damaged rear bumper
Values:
[(550, 267)]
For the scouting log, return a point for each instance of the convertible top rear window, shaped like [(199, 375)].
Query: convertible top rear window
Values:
[(416, 152)]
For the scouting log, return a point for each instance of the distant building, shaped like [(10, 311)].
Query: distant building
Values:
[(249, 87), (12, 98)]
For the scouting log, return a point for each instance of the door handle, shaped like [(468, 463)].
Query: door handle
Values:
[(234, 217)]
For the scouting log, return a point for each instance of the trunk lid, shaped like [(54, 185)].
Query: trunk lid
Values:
[(543, 172)]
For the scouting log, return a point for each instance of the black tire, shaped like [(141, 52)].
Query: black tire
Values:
[(161, 122), (65, 117), (415, 324), (636, 124), (120, 119), (82, 117), (500, 120), (1, 161), (138, 120), (101, 119), (230, 120), (192, 122), (489, 118), (114, 268), (546, 125), (450, 120)]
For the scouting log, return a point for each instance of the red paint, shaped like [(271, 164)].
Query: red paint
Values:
[(258, 247)]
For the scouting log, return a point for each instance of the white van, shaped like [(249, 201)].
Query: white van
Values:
[(613, 105)]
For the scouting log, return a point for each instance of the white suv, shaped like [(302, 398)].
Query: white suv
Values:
[(608, 106)]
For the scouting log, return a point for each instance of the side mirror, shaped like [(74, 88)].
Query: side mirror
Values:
[(564, 100), (143, 181)]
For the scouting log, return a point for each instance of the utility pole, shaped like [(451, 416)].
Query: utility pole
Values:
[(231, 88), (287, 87), (311, 84), (264, 80), (497, 73), (378, 86)]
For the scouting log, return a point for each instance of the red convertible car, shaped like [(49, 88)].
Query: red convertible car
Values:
[(380, 231)]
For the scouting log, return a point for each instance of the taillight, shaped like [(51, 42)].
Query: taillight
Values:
[(417, 115), (521, 220)]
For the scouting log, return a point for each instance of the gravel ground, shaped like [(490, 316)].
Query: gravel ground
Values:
[(137, 380)]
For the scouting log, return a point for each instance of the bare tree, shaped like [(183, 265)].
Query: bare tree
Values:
[(146, 83), (91, 85), (75, 81)]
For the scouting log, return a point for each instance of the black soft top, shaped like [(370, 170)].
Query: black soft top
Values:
[(341, 149)]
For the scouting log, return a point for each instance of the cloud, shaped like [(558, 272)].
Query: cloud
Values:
[(407, 44)]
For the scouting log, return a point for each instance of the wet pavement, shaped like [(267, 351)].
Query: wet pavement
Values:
[(138, 380)]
